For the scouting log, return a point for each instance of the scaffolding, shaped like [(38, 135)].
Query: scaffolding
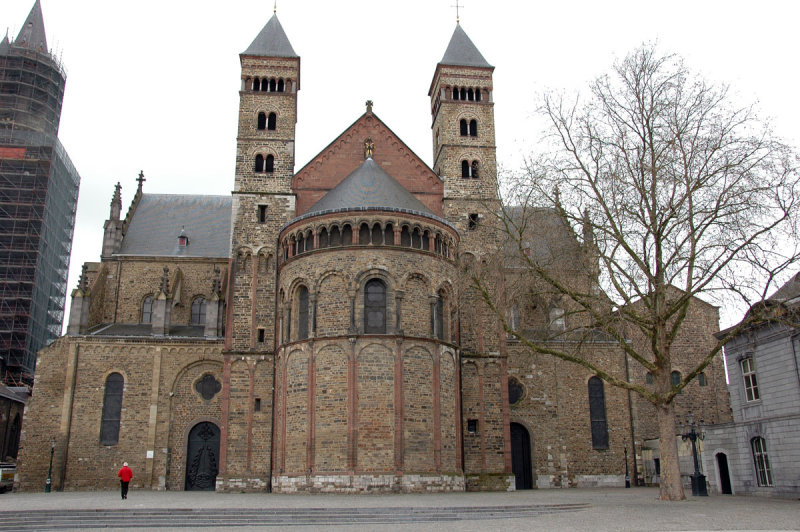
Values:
[(38, 198)]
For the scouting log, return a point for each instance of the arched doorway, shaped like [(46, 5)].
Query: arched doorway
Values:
[(202, 457), (521, 457), (724, 474)]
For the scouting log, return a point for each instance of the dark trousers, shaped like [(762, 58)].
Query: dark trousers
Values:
[(124, 487)]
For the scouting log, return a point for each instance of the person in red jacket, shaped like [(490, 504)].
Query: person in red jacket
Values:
[(125, 475)]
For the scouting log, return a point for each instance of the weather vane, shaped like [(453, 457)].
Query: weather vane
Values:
[(458, 7)]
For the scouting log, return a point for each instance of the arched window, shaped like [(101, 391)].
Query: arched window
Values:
[(301, 243), (405, 237), (464, 169), (473, 128), (199, 311), (416, 239), (272, 85), (438, 317), (463, 93), (375, 307), (347, 236), (309, 240), (302, 313), (280, 85), (455, 93), (701, 379), (363, 234), (259, 163), (474, 169), (262, 121), (272, 121), (675, 378), (336, 237), (256, 84), (761, 461), (147, 309), (477, 95), (377, 235), (269, 164), (388, 235), (426, 240), (264, 85), (112, 410), (597, 414), (470, 95), (463, 128), (323, 238), (648, 378)]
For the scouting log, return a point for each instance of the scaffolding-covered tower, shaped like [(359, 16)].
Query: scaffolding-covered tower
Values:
[(38, 198)]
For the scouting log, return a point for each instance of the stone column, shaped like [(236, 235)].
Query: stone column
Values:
[(398, 311)]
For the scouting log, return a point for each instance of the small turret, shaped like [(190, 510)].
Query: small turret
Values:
[(112, 234)]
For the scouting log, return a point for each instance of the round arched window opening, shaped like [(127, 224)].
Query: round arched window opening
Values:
[(516, 391)]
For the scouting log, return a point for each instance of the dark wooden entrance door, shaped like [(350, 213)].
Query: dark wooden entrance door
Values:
[(521, 457), (202, 454), (724, 474)]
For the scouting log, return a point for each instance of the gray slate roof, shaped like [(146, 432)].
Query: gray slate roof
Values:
[(32, 33), (5, 46), (271, 42), (159, 218), (462, 52), (790, 290), (369, 187)]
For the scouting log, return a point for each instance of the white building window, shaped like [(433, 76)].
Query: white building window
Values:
[(557, 321), (749, 378), (761, 461)]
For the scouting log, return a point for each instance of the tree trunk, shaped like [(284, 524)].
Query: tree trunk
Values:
[(671, 487)]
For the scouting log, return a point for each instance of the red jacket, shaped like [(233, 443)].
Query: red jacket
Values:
[(125, 474)]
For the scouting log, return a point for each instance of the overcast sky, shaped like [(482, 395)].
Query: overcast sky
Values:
[(153, 85)]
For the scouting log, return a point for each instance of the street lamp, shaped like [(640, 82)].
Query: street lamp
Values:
[(48, 483), (698, 479)]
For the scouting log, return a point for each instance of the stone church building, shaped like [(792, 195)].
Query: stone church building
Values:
[(315, 330)]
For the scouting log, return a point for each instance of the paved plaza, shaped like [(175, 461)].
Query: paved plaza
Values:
[(569, 509)]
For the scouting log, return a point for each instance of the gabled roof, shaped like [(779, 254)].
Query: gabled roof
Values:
[(4, 45), (369, 187), (271, 42), (462, 52), (32, 33), (158, 219), (788, 291)]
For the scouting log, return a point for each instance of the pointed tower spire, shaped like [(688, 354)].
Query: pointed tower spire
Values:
[(116, 203), (462, 52), (32, 33), (271, 42)]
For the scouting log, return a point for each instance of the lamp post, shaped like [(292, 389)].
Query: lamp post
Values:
[(627, 476), (48, 483), (698, 479)]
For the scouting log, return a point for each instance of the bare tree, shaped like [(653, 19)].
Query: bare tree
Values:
[(673, 193)]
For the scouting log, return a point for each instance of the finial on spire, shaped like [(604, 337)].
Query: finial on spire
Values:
[(275, 8), (369, 106), (141, 179), (458, 7)]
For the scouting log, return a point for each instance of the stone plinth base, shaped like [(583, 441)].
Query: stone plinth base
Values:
[(241, 484), (490, 482), (388, 483)]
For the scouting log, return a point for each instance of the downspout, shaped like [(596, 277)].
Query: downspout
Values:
[(794, 353)]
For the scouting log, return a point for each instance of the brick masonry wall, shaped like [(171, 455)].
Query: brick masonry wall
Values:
[(346, 153)]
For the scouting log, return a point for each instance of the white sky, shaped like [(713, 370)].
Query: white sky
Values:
[(153, 85)]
